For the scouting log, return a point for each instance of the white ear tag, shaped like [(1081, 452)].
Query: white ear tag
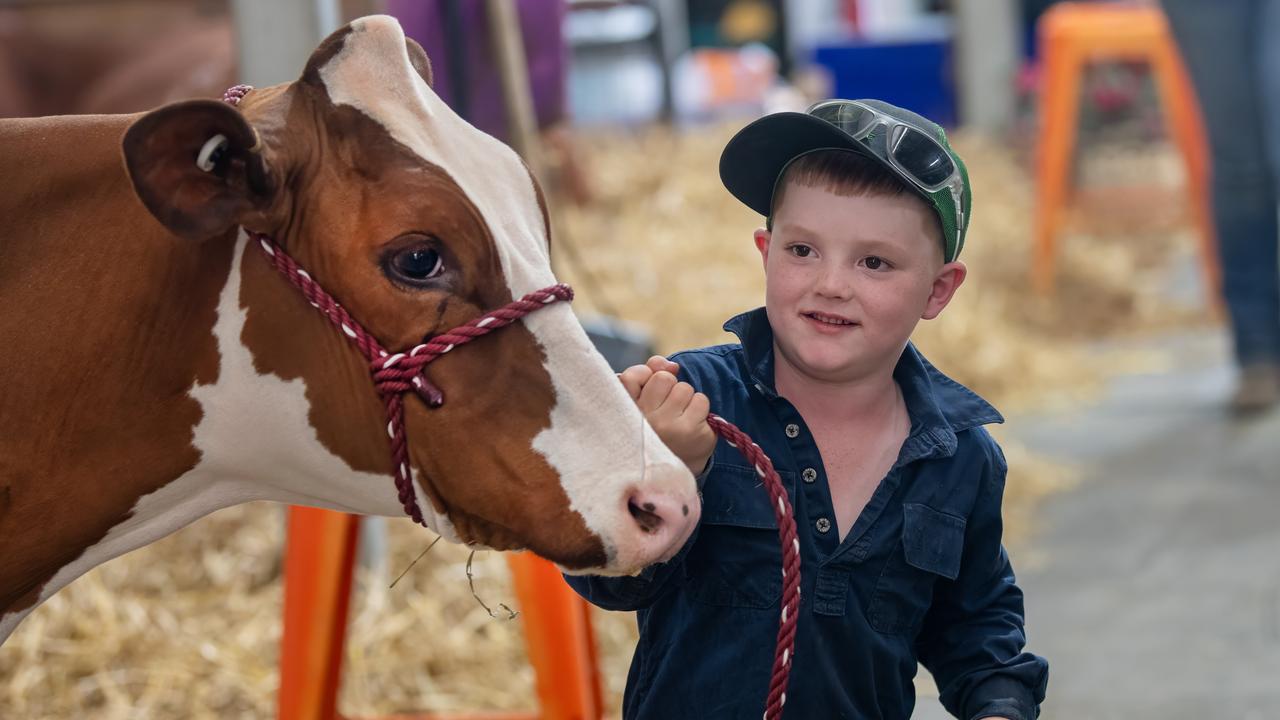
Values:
[(204, 160)]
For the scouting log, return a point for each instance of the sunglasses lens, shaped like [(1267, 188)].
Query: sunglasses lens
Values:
[(849, 117), (923, 157)]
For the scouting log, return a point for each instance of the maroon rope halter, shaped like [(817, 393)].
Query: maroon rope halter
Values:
[(399, 373)]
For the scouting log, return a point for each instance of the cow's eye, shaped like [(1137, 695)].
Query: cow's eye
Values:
[(417, 264)]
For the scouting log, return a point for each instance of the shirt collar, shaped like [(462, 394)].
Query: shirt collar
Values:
[(939, 407)]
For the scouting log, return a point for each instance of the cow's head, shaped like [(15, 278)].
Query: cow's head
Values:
[(416, 222)]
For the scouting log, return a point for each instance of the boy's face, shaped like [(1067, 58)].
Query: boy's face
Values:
[(847, 279)]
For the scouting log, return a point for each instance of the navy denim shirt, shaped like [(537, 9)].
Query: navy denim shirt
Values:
[(921, 575)]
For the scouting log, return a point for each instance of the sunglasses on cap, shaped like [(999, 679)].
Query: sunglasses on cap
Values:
[(913, 152)]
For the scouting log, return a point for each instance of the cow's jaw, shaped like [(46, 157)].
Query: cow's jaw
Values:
[(257, 431)]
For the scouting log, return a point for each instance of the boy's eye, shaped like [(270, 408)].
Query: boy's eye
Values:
[(801, 250), (875, 263)]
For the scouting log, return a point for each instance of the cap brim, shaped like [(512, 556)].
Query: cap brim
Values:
[(753, 159)]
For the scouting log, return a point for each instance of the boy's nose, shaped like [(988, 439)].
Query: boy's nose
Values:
[(833, 284)]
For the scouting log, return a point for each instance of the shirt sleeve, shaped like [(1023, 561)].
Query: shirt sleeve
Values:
[(973, 636)]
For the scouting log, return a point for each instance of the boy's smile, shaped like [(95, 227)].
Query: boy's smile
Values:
[(829, 322), (848, 277)]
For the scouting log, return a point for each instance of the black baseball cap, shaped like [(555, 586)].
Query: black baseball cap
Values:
[(905, 143)]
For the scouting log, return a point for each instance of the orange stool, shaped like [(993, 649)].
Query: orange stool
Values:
[(319, 559), (1071, 35)]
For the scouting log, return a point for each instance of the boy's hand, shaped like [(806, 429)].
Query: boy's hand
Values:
[(677, 413)]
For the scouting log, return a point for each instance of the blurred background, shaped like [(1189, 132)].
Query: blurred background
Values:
[(1144, 485)]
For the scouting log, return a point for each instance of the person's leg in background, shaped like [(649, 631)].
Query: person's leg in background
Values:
[(1268, 43), (1228, 50)]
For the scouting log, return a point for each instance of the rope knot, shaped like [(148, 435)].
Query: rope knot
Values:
[(402, 377)]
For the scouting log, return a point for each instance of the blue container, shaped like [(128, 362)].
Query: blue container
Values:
[(913, 71)]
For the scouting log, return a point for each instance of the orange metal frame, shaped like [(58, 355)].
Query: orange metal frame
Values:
[(1072, 35), (319, 560)]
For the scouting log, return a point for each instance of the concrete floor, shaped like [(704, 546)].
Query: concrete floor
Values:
[(1153, 587)]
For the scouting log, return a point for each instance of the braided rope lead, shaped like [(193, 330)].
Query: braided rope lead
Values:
[(396, 374), (790, 541)]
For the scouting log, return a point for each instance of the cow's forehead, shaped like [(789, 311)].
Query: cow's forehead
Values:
[(372, 73)]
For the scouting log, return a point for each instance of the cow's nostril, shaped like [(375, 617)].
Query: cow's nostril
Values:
[(685, 509), (648, 520)]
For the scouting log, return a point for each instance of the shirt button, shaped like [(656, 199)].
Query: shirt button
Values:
[(823, 525), (809, 475), (793, 430)]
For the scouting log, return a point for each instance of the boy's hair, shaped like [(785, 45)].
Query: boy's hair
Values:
[(848, 174)]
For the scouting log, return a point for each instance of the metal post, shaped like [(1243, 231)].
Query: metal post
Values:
[(987, 51), (672, 42), (508, 48), (275, 38)]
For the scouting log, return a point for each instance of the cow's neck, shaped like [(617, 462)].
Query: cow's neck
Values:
[(103, 310)]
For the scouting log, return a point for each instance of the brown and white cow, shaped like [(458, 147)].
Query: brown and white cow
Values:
[(155, 368)]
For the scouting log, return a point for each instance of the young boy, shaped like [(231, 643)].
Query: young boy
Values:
[(896, 485)]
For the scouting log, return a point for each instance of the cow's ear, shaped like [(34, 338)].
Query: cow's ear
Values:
[(199, 167), (418, 58)]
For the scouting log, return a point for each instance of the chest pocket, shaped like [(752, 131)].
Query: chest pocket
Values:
[(737, 559), (931, 548)]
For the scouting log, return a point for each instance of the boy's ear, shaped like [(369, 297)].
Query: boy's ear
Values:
[(762, 237), (949, 279)]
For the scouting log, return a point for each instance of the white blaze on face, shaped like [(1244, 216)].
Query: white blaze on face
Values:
[(594, 440)]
